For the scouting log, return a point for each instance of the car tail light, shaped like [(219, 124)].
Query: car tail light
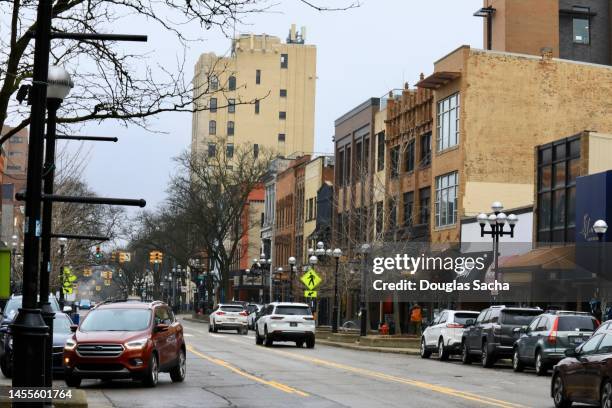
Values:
[(454, 325), (552, 337), (308, 318), (277, 317), (220, 313), (243, 313)]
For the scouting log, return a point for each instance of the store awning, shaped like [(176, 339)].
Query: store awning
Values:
[(550, 258), (438, 79)]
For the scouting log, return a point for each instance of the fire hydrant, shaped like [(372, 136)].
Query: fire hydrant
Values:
[(384, 329)]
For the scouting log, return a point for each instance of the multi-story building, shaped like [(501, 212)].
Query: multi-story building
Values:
[(570, 29), (491, 109), (263, 95)]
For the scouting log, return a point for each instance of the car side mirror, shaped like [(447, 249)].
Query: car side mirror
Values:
[(468, 323), (73, 327), (161, 327), (572, 352)]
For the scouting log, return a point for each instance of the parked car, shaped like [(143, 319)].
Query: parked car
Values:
[(8, 315), (85, 304), (445, 333), (585, 375), (492, 335), (229, 316), (133, 340), (284, 321), (542, 344), (252, 309)]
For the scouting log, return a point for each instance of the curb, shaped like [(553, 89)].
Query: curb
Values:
[(406, 351), (191, 319)]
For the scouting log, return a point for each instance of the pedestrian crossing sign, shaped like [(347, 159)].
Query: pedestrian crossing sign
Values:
[(311, 279), (310, 293)]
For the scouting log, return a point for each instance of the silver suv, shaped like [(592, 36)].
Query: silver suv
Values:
[(284, 321)]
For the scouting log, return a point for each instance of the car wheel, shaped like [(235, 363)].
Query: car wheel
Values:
[(310, 342), (152, 372), (299, 343), (6, 368), (442, 352), (540, 366), (606, 395), (215, 328), (424, 352), (486, 358), (210, 327), (558, 393), (517, 364), (72, 381), (178, 373), (466, 358), (267, 340), (245, 330), (258, 338)]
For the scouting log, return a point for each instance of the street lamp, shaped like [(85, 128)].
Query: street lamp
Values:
[(496, 221), (279, 281), (337, 253), (292, 262), (62, 243), (600, 227), (365, 251)]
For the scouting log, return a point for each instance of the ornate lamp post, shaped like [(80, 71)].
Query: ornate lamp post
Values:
[(337, 253), (363, 312), (292, 262)]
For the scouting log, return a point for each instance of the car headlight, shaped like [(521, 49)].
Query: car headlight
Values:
[(136, 344), (70, 344)]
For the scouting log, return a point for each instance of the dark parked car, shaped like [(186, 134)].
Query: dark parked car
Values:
[(543, 343), (492, 335), (585, 375)]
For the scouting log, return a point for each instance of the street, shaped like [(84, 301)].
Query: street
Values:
[(229, 370)]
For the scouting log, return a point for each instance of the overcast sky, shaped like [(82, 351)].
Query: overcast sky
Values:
[(361, 53)]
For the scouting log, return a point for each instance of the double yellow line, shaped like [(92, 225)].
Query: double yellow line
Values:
[(225, 364)]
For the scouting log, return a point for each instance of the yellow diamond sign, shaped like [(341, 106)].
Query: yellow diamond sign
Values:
[(310, 293), (311, 279)]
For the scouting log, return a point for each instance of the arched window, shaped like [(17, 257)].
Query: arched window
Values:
[(231, 83), (212, 127), (213, 82)]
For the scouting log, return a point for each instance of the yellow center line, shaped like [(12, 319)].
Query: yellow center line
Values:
[(273, 384), (420, 384)]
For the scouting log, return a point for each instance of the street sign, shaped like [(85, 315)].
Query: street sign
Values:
[(310, 293), (311, 279)]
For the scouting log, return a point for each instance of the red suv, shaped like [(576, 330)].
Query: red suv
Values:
[(126, 340)]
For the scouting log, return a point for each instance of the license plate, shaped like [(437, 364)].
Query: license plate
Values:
[(293, 324), (231, 319), (574, 340)]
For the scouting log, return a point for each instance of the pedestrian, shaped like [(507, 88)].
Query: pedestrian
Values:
[(416, 317)]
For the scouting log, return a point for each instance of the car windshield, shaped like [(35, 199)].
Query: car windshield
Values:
[(13, 305), (231, 308), (461, 318), (61, 324), (293, 310), (576, 323), (116, 320), (519, 317)]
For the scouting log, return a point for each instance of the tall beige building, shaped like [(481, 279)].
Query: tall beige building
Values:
[(263, 94)]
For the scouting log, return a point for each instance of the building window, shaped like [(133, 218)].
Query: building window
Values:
[(409, 156), (426, 149), (408, 206), (282, 115), (281, 137), (213, 105), (255, 150), (366, 155), (284, 61), (379, 217), (392, 213), (212, 127), (558, 168), (230, 128), (258, 76), (380, 159), (231, 105), (13, 167), (11, 154), (229, 150), (212, 150), (581, 26), (340, 168), (395, 152), (283, 93), (213, 83), (424, 205), (16, 139), (231, 83), (446, 199), (257, 106), (448, 122), (347, 162)]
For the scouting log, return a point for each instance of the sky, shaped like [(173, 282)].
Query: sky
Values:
[(361, 53)]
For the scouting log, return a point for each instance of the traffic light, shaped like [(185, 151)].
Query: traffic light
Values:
[(156, 257), (98, 256), (124, 257)]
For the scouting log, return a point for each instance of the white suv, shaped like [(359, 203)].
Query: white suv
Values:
[(229, 317), (282, 321), (445, 332)]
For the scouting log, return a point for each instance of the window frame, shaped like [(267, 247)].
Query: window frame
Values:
[(284, 61), (212, 127), (442, 218), (231, 127), (231, 105), (212, 106), (444, 116)]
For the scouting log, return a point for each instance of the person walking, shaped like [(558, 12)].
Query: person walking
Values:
[(416, 317)]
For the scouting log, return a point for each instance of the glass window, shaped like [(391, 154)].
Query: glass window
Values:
[(591, 344), (231, 83), (576, 323), (255, 150), (231, 105), (381, 151), (534, 324), (481, 316), (258, 76), (446, 199), (257, 106), (519, 317), (392, 214), (283, 93), (281, 137), (229, 150), (409, 156), (424, 205), (605, 347), (212, 150), (448, 122), (395, 152), (230, 128), (284, 61), (116, 320), (212, 127), (213, 83), (282, 115), (293, 310), (542, 324), (443, 318), (581, 26), (408, 205), (426, 149), (213, 105), (463, 317), (379, 217)]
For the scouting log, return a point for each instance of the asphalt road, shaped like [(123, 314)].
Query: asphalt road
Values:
[(229, 370)]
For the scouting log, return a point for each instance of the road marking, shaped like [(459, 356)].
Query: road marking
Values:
[(273, 384), (187, 335)]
